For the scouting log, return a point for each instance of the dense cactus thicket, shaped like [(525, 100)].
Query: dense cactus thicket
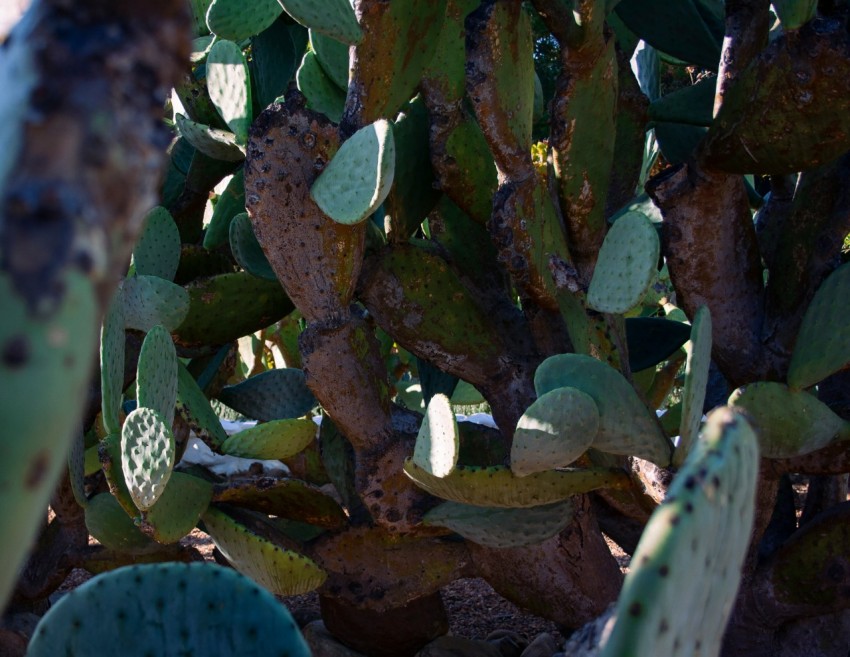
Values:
[(478, 269)]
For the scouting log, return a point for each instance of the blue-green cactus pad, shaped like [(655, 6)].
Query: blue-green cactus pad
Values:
[(696, 380), (229, 86), (322, 94), (150, 300), (276, 394), (237, 20), (147, 455), (196, 609), (156, 374), (157, 253), (212, 142), (247, 250), (107, 521), (278, 439), (333, 18)]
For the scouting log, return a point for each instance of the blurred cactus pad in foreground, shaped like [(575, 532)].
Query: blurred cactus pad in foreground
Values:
[(383, 294)]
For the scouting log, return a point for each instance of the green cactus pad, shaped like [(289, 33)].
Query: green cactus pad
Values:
[(275, 56), (247, 250), (178, 509), (496, 486), (823, 343), (692, 105), (502, 528), (696, 380), (653, 339), (437, 443), (626, 426), (156, 376), (229, 85), (277, 394), (230, 203), (704, 523), (112, 339), (322, 94), (788, 422), (197, 609), (195, 409), (793, 14), (554, 431), (147, 455), (157, 253), (149, 300), (278, 439), (212, 142), (281, 571), (199, 17), (358, 178), (237, 20), (333, 18), (627, 265), (333, 58), (107, 521), (109, 454), (226, 307), (77, 469), (292, 499)]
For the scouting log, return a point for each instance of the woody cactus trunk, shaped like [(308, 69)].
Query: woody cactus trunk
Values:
[(378, 215)]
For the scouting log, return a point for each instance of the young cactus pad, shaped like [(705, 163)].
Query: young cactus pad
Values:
[(281, 571), (359, 177), (229, 86), (627, 264), (554, 431), (156, 374), (157, 253), (147, 455), (112, 338), (272, 395), (196, 609), (237, 20), (333, 18), (823, 343), (703, 527), (150, 300), (438, 442), (696, 380), (496, 486), (278, 439)]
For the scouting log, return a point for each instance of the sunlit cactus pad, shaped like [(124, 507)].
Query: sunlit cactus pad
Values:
[(147, 455), (278, 439), (438, 442)]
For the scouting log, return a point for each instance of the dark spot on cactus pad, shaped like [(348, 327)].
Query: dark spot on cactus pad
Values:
[(689, 508), (37, 469), (663, 626), (664, 570), (635, 610), (16, 352), (675, 520), (690, 483)]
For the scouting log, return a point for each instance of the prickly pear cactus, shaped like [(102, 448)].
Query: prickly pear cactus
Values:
[(706, 520)]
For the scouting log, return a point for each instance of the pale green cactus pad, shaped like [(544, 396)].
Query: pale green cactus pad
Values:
[(114, 529), (359, 177), (279, 570), (332, 57), (627, 264), (197, 609), (322, 94), (696, 380), (150, 300), (217, 144), (278, 439), (156, 374), (178, 509), (502, 528), (247, 250), (793, 14), (195, 409), (231, 202), (705, 522), (554, 431), (147, 455), (496, 486), (823, 343), (157, 253), (333, 18), (789, 422), (438, 442), (626, 426), (112, 340), (229, 86), (237, 20)]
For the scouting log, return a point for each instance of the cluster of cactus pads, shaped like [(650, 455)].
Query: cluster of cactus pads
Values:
[(361, 235)]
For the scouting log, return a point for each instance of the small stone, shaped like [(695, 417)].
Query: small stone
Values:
[(322, 644), (457, 646), (544, 645), (510, 644)]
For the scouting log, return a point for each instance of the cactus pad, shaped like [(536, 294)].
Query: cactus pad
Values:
[(437, 443), (627, 264), (150, 300), (112, 340), (496, 486), (281, 571), (195, 409), (197, 609), (114, 529), (272, 395), (156, 376), (332, 57), (359, 177), (157, 253), (230, 203), (322, 94), (237, 20), (278, 439), (823, 343), (652, 339), (696, 380), (502, 528), (212, 142), (705, 522), (178, 509), (247, 250), (789, 423), (626, 426), (333, 18), (229, 87), (554, 431), (793, 14), (147, 455)]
